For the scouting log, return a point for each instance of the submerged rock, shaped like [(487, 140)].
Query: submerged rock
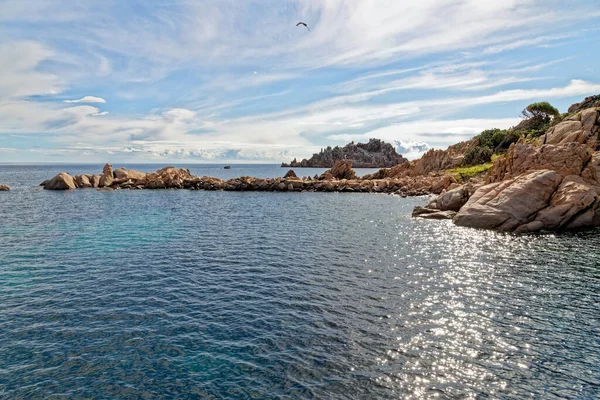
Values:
[(439, 215)]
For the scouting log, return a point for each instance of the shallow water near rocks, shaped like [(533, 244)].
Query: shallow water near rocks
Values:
[(192, 294)]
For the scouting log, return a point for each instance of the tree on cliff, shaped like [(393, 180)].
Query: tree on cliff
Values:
[(540, 110)]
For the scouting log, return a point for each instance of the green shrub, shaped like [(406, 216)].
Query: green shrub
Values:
[(477, 155), (510, 138), (491, 137)]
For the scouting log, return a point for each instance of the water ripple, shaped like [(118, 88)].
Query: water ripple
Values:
[(177, 294)]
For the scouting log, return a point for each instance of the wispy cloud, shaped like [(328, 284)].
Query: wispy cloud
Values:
[(19, 76), (87, 99)]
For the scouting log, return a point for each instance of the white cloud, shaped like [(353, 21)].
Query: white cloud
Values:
[(527, 42), (411, 150), (193, 60), (576, 87), (20, 76), (87, 99)]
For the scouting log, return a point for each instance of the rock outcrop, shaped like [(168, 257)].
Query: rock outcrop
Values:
[(290, 174), (509, 204), (582, 128), (4, 188), (83, 181), (568, 159), (107, 177), (588, 102), (62, 181), (374, 154), (548, 184), (342, 170)]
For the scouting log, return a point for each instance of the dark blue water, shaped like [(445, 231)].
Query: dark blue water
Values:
[(191, 294)]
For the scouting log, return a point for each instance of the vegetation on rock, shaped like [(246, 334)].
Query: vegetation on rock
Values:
[(463, 174), (478, 155)]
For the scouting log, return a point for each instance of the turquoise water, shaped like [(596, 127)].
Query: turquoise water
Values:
[(192, 294)]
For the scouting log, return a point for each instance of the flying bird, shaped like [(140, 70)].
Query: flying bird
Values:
[(302, 23)]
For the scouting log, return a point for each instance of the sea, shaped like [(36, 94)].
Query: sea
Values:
[(177, 294)]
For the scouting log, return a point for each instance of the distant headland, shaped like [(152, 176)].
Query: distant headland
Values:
[(373, 154)]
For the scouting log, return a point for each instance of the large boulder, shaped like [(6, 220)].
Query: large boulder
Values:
[(509, 204), (95, 180), (135, 175), (83, 181), (567, 159), (290, 174), (452, 200), (591, 172), (342, 170), (581, 128), (121, 173), (573, 197), (107, 177), (4, 188), (442, 184), (62, 181)]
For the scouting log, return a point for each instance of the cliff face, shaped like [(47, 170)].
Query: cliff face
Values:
[(374, 154), (552, 183)]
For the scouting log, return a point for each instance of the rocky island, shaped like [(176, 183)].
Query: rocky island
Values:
[(543, 174), (374, 154)]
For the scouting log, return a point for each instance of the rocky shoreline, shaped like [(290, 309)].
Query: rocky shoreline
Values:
[(340, 178), (552, 183)]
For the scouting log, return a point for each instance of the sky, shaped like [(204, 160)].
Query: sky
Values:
[(211, 81)]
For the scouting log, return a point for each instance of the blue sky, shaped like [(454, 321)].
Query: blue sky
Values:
[(237, 81)]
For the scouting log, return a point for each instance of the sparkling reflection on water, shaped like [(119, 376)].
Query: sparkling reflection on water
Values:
[(183, 294)]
